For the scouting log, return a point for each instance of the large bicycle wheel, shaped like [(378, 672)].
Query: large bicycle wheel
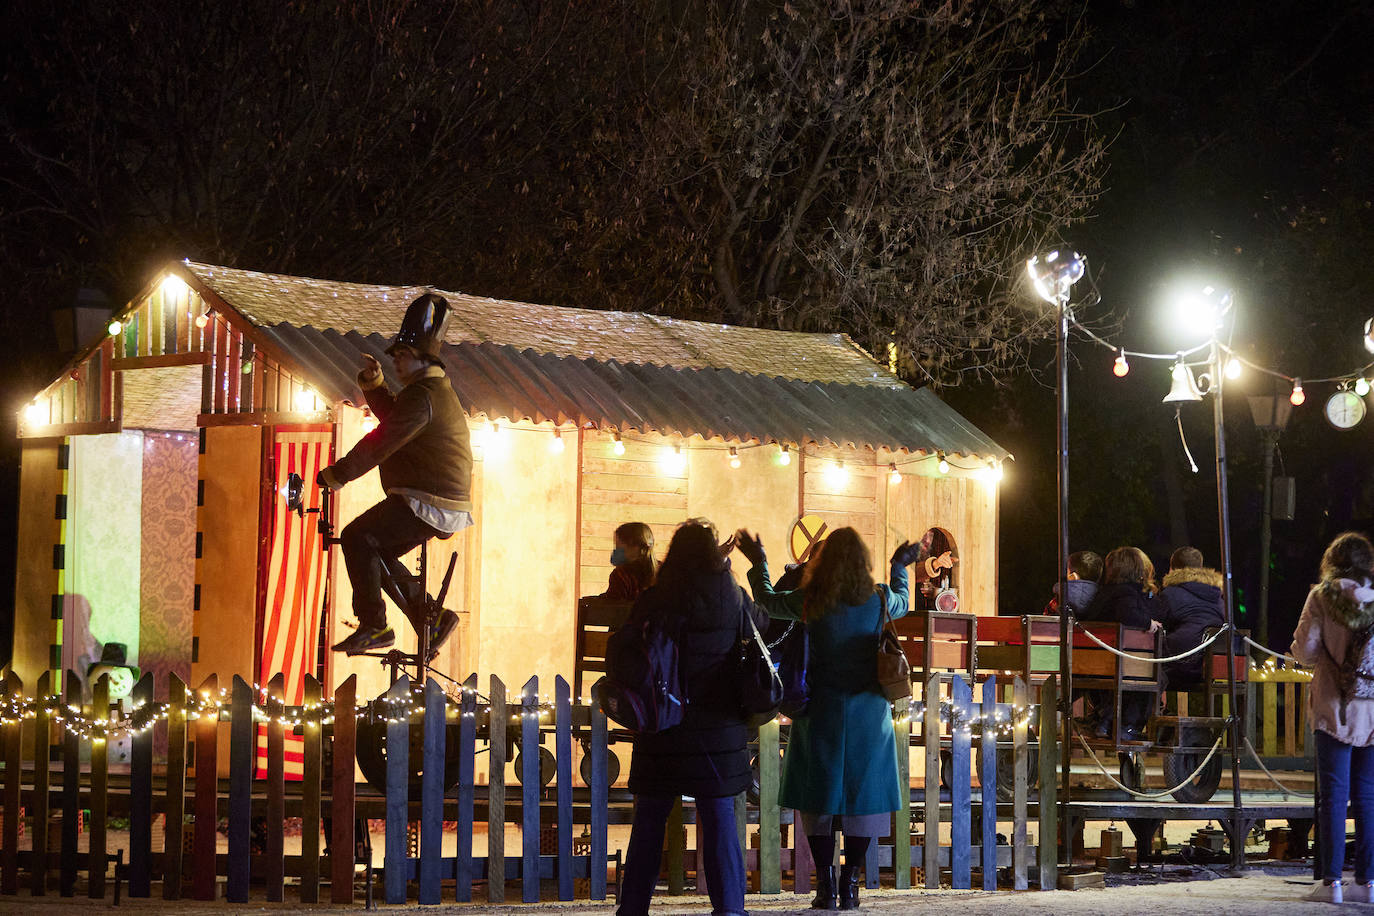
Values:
[(1006, 773)]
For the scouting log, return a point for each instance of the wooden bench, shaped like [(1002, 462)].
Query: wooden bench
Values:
[(935, 641)]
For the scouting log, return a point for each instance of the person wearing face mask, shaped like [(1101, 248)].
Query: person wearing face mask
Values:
[(423, 454), (633, 562)]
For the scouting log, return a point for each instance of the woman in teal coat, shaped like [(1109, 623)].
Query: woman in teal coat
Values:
[(840, 768)]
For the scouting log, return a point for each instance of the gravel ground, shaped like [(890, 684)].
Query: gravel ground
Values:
[(1271, 889)]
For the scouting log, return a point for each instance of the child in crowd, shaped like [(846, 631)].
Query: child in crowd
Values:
[(1189, 603), (633, 559), (1085, 571)]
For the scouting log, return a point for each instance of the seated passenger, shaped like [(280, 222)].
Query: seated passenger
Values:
[(633, 562), (1189, 603), (1126, 597), (1084, 572)]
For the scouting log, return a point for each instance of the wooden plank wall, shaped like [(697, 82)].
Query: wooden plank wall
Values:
[(633, 487), (40, 579)]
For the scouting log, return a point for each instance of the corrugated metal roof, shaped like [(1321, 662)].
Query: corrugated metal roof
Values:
[(627, 337), (501, 381)]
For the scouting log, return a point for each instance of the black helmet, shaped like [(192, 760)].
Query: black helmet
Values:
[(423, 327)]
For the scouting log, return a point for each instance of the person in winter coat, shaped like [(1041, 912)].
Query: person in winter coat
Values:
[(1332, 636), (1127, 597), (840, 767), (704, 756), (1188, 604), (424, 456), (632, 561), (1082, 576)]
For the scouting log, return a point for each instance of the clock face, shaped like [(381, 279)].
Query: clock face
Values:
[(1344, 409)]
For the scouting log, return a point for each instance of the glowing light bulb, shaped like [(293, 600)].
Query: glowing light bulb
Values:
[(784, 455), (247, 367), (1297, 397), (305, 399), (1121, 367), (894, 476), (115, 326), (369, 422), (674, 460), (734, 457), (556, 444), (943, 465), (174, 286), (203, 319), (36, 414), (1233, 368), (837, 474), (618, 447), (1362, 386)]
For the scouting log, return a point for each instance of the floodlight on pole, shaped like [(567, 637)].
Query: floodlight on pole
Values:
[(1054, 275), (1204, 312)]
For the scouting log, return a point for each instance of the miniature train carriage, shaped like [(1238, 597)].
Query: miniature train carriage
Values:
[(165, 445)]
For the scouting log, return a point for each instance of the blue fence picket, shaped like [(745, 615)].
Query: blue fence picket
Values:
[(529, 791), (496, 793), (961, 801), (240, 788), (930, 738), (987, 778), (432, 799), (600, 792), (397, 789), (562, 749), (467, 764)]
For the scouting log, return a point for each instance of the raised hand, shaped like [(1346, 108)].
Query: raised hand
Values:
[(905, 554), (751, 545), (946, 560)]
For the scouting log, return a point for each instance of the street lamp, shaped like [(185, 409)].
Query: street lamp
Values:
[(1206, 311), (1270, 413), (1054, 275)]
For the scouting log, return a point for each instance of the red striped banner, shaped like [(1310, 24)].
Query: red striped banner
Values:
[(294, 596)]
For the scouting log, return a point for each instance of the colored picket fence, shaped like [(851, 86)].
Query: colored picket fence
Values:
[(415, 809)]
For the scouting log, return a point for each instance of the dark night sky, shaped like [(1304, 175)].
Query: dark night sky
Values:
[(1240, 154)]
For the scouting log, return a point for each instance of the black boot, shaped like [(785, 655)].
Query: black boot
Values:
[(849, 887), (825, 889)]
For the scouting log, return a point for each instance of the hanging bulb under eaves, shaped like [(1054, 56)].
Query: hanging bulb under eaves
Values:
[(734, 457), (1121, 367)]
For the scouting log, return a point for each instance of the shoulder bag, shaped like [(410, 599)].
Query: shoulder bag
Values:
[(894, 671)]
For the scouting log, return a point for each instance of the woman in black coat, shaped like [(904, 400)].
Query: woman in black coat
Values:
[(1126, 597), (705, 756)]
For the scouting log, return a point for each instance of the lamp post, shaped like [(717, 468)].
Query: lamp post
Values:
[(1054, 275), (1208, 311), (1270, 413)]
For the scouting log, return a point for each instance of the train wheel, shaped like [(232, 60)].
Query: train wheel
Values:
[(548, 767), (1179, 766), (1132, 772), (584, 768), (1006, 773)]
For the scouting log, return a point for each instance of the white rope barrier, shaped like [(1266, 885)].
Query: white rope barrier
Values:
[(1148, 658), (1152, 795), (1272, 778), (1268, 651)]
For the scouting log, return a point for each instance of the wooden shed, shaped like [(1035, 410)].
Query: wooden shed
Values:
[(151, 513)]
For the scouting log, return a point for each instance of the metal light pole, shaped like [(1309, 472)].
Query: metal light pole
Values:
[(1270, 413), (1054, 276)]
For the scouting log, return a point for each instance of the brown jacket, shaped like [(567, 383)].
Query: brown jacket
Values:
[(421, 446)]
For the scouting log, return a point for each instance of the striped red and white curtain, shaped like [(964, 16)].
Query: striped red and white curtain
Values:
[(293, 598)]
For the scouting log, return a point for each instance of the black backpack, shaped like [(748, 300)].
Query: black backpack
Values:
[(642, 690)]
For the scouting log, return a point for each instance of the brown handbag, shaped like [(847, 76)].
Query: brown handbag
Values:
[(894, 671)]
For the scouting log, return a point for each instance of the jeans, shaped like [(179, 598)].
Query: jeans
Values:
[(724, 862), (1344, 774), (378, 538)]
